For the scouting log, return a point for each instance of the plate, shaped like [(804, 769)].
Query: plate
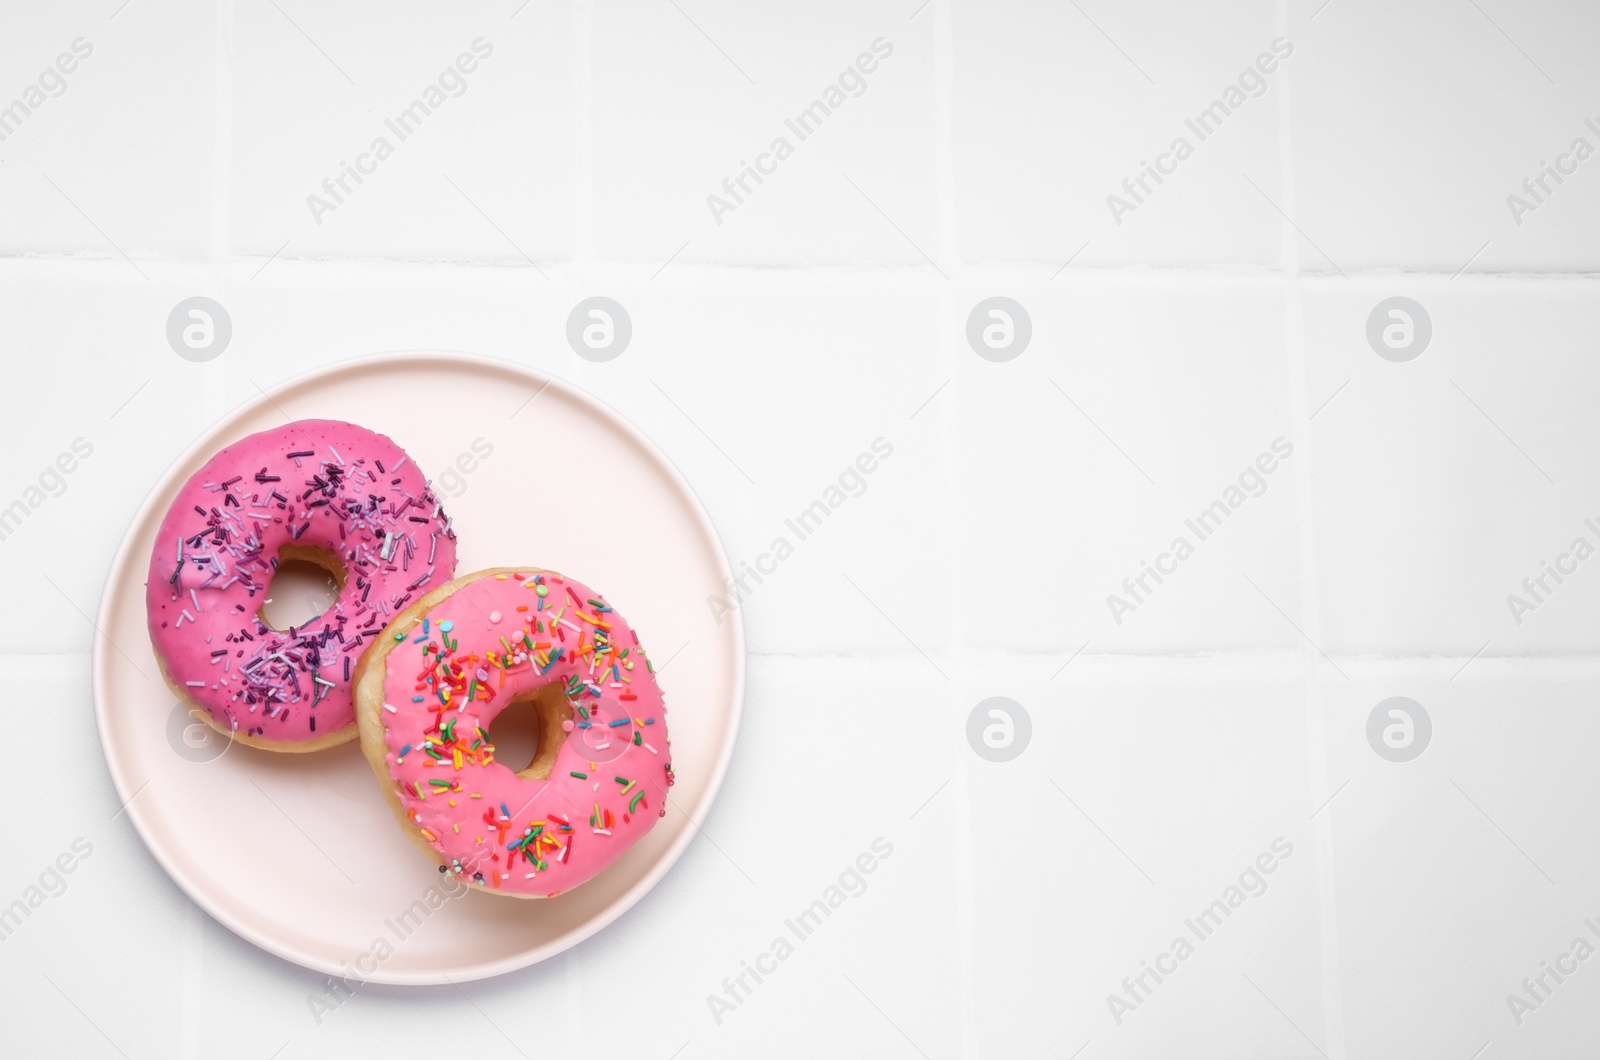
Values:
[(299, 853)]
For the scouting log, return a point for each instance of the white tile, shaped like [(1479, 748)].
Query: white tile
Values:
[(788, 402), (317, 93), (1412, 127), (1085, 457), (800, 823), (1442, 482), (118, 156), (1053, 106), (108, 405), (1458, 872), (1148, 788), (109, 907), (724, 85)]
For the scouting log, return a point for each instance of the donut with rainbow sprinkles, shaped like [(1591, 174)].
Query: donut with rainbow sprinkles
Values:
[(430, 687)]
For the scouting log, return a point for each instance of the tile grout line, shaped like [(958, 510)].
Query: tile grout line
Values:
[(944, 136), (214, 374), (584, 266), (583, 135), (855, 269), (949, 348), (949, 252), (222, 145), (1315, 712)]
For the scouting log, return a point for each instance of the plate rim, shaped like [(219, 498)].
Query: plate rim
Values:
[(99, 665)]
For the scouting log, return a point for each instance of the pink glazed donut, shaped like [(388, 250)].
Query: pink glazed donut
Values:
[(332, 493), (428, 691)]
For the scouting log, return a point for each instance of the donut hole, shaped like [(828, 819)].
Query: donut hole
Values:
[(527, 734), (306, 583)]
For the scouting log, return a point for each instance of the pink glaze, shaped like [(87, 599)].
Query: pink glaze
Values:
[(459, 667), (317, 483)]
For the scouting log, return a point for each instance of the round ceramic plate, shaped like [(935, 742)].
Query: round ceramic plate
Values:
[(300, 853)]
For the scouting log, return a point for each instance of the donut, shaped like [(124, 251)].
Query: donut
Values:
[(427, 692), (331, 493)]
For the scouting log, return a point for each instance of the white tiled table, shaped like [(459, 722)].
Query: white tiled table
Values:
[(772, 346)]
